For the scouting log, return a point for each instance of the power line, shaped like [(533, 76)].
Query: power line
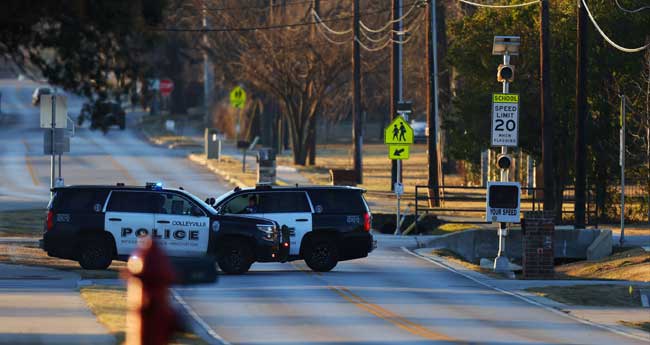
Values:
[(626, 10), (267, 27), (391, 22), (609, 40), (535, 2), (320, 21), (266, 7)]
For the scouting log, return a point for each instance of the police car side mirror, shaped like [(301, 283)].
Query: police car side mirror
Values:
[(196, 212)]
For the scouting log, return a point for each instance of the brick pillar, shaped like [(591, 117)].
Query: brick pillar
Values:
[(538, 232)]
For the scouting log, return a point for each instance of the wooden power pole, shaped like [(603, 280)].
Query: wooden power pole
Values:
[(433, 161), (580, 117), (357, 125), (548, 163)]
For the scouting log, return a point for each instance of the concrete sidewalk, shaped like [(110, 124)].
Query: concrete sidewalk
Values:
[(43, 306), (605, 317)]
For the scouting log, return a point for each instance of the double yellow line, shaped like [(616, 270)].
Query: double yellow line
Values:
[(389, 316), (384, 314)]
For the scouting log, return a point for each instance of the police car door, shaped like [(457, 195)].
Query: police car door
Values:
[(291, 209), (129, 218), (181, 227)]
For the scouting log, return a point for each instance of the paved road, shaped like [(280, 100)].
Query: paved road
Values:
[(391, 297), (118, 156)]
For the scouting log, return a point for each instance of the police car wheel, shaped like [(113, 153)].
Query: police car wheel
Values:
[(321, 255), (235, 257), (95, 254)]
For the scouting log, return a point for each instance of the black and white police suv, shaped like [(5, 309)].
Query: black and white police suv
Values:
[(327, 224), (96, 224)]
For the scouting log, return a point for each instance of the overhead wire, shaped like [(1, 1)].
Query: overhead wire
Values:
[(609, 40), (390, 22), (534, 2), (626, 10), (320, 21)]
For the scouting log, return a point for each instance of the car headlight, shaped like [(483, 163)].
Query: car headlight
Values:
[(268, 230), (216, 226)]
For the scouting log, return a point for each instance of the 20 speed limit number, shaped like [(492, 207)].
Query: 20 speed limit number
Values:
[(505, 119)]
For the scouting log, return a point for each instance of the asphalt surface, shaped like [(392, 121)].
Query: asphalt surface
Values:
[(391, 297), (95, 158)]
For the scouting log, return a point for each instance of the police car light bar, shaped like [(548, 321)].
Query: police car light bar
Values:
[(154, 185)]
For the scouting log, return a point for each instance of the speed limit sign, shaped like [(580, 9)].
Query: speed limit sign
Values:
[(505, 119)]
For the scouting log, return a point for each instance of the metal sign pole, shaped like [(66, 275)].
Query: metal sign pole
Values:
[(397, 192), (52, 141), (501, 261)]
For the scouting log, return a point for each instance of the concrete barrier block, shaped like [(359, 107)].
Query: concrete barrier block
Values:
[(601, 247)]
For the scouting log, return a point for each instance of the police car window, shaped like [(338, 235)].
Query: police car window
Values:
[(243, 204), (284, 202), (80, 200), (175, 204), (143, 202), (333, 201)]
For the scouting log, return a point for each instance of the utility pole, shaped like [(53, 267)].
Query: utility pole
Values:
[(357, 125), (207, 88), (622, 164), (580, 117), (546, 108), (395, 81), (432, 106)]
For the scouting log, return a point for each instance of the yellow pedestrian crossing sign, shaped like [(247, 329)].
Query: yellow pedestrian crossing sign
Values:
[(398, 132), (398, 151), (237, 97)]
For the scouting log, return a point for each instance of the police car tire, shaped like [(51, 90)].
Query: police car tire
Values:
[(321, 255), (235, 257), (96, 254)]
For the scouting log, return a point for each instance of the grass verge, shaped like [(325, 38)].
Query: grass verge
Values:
[(22, 223), (448, 228), (633, 265), (452, 256), (108, 303), (22, 255), (591, 295), (644, 326)]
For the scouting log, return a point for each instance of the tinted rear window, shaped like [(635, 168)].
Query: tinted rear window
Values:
[(140, 202), (80, 200), (284, 202), (333, 201)]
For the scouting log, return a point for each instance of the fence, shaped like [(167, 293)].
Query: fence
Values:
[(466, 205)]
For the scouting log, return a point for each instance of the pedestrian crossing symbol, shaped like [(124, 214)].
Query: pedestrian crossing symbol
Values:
[(398, 151), (398, 132)]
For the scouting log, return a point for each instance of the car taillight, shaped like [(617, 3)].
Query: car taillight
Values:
[(366, 221), (50, 220)]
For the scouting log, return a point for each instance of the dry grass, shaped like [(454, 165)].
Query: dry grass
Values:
[(451, 256), (633, 265), (108, 303), (21, 255), (233, 167), (449, 228), (644, 326), (591, 295), (23, 223)]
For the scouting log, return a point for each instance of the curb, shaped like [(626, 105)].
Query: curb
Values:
[(196, 158), (538, 301)]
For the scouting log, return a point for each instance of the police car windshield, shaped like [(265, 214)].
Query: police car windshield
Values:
[(200, 202), (223, 197)]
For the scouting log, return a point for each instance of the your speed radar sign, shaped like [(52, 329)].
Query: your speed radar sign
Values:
[(505, 119)]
